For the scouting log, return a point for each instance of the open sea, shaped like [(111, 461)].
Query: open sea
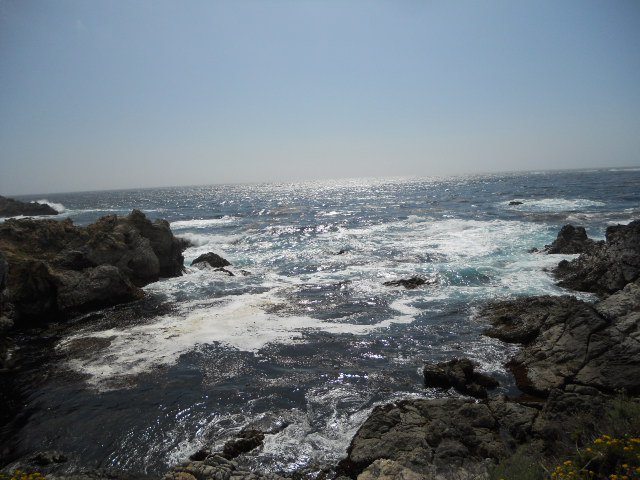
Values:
[(305, 339)]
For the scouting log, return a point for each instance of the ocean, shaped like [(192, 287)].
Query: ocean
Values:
[(304, 340)]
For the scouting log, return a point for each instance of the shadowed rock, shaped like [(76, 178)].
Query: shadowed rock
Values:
[(571, 240), (56, 268), (12, 208), (246, 441), (607, 267), (408, 283), (459, 374), (212, 259)]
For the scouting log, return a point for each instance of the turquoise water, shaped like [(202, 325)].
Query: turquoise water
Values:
[(303, 340)]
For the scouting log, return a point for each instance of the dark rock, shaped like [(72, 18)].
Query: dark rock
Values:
[(224, 270), (212, 259), (607, 267), (459, 374), (57, 269), (12, 208), (341, 251), (408, 283), (571, 240), (246, 441), (515, 202), (48, 457)]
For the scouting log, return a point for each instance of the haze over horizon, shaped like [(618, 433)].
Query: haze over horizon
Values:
[(113, 95)]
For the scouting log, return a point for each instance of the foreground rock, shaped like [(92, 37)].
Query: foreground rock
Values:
[(566, 341), (12, 208), (572, 240), (609, 266), (452, 438), (459, 374), (56, 269)]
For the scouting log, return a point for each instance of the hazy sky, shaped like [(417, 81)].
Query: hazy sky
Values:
[(118, 94)]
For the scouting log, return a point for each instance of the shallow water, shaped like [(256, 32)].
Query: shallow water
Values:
[(302, 341)]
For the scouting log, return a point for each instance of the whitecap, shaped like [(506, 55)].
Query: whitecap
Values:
[(58, 207)]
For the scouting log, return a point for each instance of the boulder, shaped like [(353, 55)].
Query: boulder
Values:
[(459, 374), (246, 441), (12, 208), (212, 259), (571, 240), (608, 266)]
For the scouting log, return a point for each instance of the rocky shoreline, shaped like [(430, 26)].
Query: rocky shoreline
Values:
[(575, 361)]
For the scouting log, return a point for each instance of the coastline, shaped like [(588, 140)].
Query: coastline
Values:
[(516, 417)]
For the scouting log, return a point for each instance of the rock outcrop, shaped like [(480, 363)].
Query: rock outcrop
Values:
[(57, 269), (451, 438), (571, 240), (12, 208), (609, 266), (459, 374), (212, 259)]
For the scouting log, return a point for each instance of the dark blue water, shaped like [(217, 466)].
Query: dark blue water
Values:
[(302, 341)]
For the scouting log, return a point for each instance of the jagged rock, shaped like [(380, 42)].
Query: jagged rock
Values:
[(408, 283), (459, 374), (567, 340), (57, 269), (246, 441), (607, 267), (383, 469), (571, 240), (12, 208), (448, 437), (212, 259)]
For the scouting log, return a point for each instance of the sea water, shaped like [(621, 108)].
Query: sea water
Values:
[(304, 340)]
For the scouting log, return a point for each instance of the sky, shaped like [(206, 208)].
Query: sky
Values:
[(125, 94)]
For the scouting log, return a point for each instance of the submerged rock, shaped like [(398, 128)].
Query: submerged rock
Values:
[(607, 267), (212, 259), (459, 374), (246, 441), (56, 268), (12, 208), (571, 240), (408, 283), (515, 202)]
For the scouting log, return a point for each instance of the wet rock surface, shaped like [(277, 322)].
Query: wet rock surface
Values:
[(212, 259), (459, 374), (408, 283), (10, 207)]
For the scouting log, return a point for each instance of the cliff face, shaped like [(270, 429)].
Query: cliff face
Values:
[(11, 208), (55, 269)]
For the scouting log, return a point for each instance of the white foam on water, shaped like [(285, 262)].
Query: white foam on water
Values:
[(553, 204), (58, 207), (239, 322), (202, 223)]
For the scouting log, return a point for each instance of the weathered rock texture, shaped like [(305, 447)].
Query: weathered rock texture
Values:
[(571, 240), (56, 268), (609, 266), (12, 208), (452, 438), (212, 259)]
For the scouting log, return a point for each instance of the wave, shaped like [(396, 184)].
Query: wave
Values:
[(58, 207), (202, 223), (553, 204)]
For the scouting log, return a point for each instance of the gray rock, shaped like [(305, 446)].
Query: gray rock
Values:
[(571, 240)]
